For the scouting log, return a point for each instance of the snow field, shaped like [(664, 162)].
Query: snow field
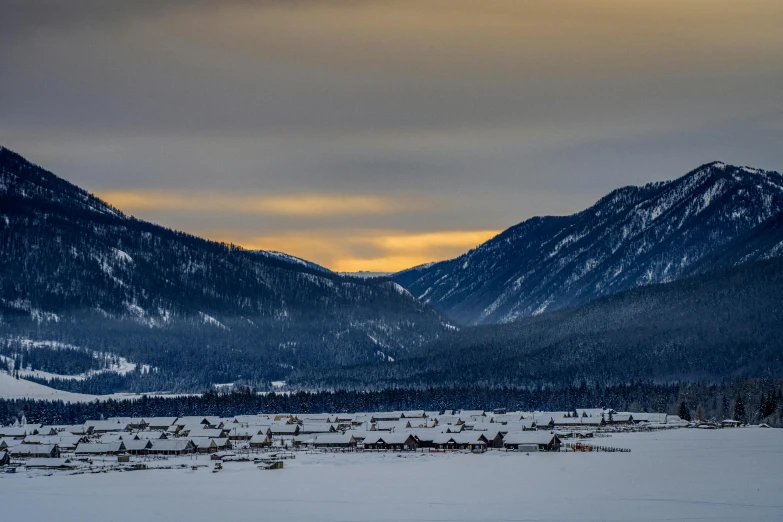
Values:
[(685, 474)]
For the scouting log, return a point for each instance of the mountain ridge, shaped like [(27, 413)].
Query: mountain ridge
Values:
[(634, 235), (75, 270)]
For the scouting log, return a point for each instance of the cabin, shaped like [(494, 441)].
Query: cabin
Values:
[(9, 443), (159, 423), (472, 441), (310, 428), (449, 419), (414, 414), (16, 433), (390, 442), (399, 425), (544, 441), (50, 463), (138, 446), (262, 440), (135, 423), (98, 448), (106, 426), (5, 459), (335, 440), (36, 451), (172, 447), (619, 418), (243, 433), (210, 445), (284, 429), (388, 416)]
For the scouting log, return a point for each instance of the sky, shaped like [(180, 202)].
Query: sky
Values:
[(378, 135)]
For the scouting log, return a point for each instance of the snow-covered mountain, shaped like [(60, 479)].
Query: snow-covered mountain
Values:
[(76, 270), (715, 216)]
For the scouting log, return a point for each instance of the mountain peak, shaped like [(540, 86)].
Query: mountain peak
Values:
[(634, 236)]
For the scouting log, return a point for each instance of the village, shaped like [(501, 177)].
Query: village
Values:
[(267, 440)]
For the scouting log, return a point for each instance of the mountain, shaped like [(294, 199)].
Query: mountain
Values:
[(713, 326), (83, 280), (273, 254), (634, 236)]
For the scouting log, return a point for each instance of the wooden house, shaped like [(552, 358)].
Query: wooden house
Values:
[(543, 441), (390, 441), (98, 448), (262, 440), (172, 447), (36, 451)]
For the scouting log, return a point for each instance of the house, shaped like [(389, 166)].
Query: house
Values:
[(387, 416), (543, 441), (78, 429), (449, 419), (50, 463), (98, 448), (150, 435), (159, 423), (310, 428), (508, 417), (16, 433), (335, 440), (210, 445), (5, 459), (262, 440), (390, 441), (36, 451), (138, 446), (316, 418), (473, 441), (243, 433), (106, 426), (399, 425), (284, 429), (203, 432), (171, 447), (135, 423), (414, 414), (9, 443), (619, 418), (69, 442)]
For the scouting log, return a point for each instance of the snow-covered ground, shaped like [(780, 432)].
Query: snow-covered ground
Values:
[(686, 474), (12, 388)]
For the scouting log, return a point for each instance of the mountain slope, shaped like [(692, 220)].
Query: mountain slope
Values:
[(634, 236), (713, 326), (75, 270)]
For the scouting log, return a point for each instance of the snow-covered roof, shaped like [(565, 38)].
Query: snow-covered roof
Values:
[(100, 448), (528, 437)]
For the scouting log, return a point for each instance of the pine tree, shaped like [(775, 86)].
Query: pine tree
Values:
[(739, 410), (700, 413), (685, 413), (724, 408)]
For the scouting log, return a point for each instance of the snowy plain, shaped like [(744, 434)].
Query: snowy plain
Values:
[(12, 388), (684, 474)]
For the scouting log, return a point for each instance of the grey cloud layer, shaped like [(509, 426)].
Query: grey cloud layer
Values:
[(498, 110)]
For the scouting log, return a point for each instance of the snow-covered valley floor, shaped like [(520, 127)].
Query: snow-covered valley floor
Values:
[(685, 474)]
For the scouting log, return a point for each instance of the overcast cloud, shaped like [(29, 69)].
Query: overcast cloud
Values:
[(408, 131)]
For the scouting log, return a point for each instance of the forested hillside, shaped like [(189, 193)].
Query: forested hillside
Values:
[(76, 271), (718, 325)]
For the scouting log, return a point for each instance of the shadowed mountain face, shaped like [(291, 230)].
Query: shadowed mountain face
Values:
[(78, 271), (713, 326), (713, 217)]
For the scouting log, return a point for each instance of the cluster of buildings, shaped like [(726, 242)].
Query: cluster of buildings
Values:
[(469, 430)]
